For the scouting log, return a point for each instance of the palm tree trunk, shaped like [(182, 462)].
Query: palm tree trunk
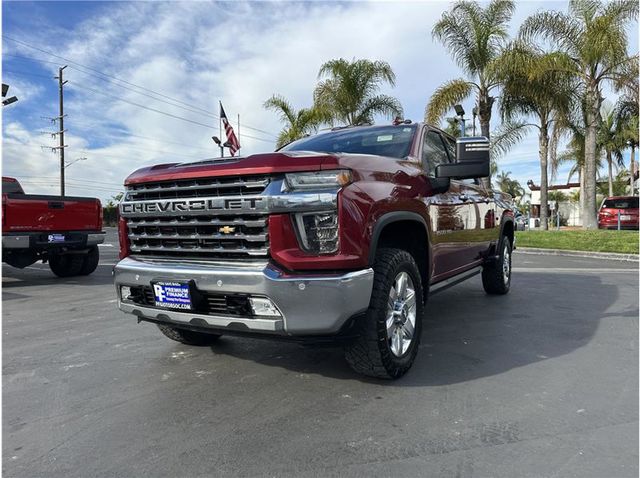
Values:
[(592, 105), (543, 142), (631, 168), (610, 165), (581, 179), (485, 104)]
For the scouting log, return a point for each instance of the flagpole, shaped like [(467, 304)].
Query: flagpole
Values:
[(220, 126)]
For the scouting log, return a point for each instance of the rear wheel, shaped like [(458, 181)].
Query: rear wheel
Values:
[(389, 333), (188, 337), (90, 262), (496, 276), (66, 265)]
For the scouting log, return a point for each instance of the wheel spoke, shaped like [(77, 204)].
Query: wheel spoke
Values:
[(397, 338), (411, 298), (390, 321), (408, 329), (401, 284)]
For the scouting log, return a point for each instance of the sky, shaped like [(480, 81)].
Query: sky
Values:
[(145, 78)]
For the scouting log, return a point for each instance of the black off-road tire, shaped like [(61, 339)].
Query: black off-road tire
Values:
[(188, 337), (90, 262), (66, 265), (370, 354), (493, 273)]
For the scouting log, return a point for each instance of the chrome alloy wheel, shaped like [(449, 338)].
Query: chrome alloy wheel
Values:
[(401, 314), (506, 264)]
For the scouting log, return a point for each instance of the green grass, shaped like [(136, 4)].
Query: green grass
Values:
[(625, 242)]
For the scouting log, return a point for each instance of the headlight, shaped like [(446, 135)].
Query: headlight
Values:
[(317, 180), (318, 232)]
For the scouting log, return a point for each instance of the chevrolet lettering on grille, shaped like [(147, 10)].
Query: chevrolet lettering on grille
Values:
[(193, 206)]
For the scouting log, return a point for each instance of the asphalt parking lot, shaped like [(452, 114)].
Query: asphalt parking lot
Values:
[(541, 382)]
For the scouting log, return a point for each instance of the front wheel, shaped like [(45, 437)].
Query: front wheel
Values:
[(496, 276), (188, 337), (389, 333)]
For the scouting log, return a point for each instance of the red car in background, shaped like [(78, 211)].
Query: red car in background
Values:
[(627, 206)]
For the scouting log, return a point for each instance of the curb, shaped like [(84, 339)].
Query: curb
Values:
[(594, 255)]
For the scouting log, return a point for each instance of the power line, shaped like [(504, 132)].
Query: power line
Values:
[(105, 75), (208, 126), (18, 72), (84, 180)]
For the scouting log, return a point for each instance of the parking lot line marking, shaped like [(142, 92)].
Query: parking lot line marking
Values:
[(556, 270), (105, 245)]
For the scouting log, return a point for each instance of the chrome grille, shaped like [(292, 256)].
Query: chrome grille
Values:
[(208, 236), (193, 188)]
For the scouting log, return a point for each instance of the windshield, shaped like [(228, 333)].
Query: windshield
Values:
[(621, 203), (391, 141)]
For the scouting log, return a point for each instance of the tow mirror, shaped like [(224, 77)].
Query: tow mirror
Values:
[(472, 160)]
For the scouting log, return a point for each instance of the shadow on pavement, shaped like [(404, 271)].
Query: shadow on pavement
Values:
[(468, 334)]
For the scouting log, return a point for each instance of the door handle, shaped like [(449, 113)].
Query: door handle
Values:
[(463, 197)]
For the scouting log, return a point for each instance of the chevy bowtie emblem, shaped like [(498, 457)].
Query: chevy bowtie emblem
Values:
[(227, 230)]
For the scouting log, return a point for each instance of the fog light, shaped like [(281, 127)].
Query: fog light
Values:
[(125, 292), (263, 306)]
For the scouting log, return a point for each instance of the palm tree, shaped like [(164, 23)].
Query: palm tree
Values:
[(297, 123), (349, 92), (592, 40), (475, 38), (610, 139), (532, 88), (627, 110), (508, 185)]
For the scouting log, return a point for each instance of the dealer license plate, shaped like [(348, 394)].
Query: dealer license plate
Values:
[(172, 295), (625, 217), (56, 238)]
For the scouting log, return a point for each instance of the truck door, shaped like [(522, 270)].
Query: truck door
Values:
[(449, 212), (482, 226)]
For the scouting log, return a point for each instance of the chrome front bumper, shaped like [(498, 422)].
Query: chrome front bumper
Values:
[(310, 304)]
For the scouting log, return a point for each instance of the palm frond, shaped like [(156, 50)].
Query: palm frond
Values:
[(445, 96), (507, 136)]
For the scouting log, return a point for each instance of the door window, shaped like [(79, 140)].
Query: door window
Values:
[(433, 152)]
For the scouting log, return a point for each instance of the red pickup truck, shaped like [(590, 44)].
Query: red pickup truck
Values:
[(341, 235), (64, 232)]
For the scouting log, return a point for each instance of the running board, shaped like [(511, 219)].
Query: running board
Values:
[(445, 284)]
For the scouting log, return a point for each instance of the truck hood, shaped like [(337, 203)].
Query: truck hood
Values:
[(264, 163)]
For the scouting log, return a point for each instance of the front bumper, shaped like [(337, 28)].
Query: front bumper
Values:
[(310, 304)]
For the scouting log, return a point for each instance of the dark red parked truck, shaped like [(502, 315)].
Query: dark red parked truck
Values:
[(63, 232), (338, 236)]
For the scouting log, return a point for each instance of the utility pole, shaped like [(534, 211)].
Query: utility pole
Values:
[(61, 130)]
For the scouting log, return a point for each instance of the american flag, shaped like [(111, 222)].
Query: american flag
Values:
[(232, 141)]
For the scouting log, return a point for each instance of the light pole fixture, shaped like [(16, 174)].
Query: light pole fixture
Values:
[(220, 145), (8, 101), (460, 112), (74, 161)]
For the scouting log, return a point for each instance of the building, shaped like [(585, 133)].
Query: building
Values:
[(568, 205)]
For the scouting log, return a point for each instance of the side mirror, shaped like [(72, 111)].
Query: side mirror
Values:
[(472, 160)]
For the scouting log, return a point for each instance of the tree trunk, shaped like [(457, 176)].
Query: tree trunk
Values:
[(581, 179), (543, 143), (631, 168), (610, 165), (592, 116), (485, 105)]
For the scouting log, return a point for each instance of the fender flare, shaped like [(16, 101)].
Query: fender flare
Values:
[(390, 218)]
